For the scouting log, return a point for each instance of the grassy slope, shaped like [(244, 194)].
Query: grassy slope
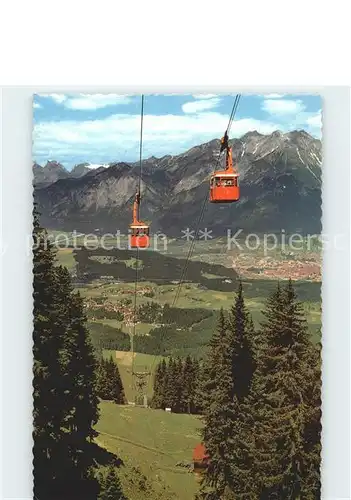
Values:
[(142, 363), (65, 258), (154, 441)]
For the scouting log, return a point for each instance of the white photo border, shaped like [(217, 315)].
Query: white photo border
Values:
[(16, 282)]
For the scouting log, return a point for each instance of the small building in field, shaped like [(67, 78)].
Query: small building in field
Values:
[(200, 458)]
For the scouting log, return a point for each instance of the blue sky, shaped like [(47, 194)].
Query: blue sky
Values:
[(101, 128)]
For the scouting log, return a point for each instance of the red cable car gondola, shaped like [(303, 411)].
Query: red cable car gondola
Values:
[(139, 237), (224, 186)]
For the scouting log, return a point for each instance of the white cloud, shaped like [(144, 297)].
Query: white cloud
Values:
[(117, 137), (36, 105), (292, 114), (88, 101), (96, 101), (315, 120), (204, 96), (58, 98), (274, 96), (201, 105), (283, 106), (313, 123), (309, 121)]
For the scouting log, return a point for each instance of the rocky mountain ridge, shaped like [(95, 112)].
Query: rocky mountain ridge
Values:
[(280, 181)]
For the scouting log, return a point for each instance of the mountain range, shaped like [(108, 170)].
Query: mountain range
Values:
[(280, 183), (53, 171)]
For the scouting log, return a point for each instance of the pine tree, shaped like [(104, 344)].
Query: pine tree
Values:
[(65, 405), (111, 488), (163, 384), (176, 385), (242, 332), (170, 388), (173, 384), (281, 399), (242, 342), (266, 402), (312, 430), (227, 434), (102, 380), (207, 383), (69, 471), (158, 399), (110, 379), (109, 382), (178, 382), (188, 385), (82, 396), (48, 397), (219, 413), (198, 399), (118, 389)]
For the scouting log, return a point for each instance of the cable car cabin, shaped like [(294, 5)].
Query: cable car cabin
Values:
[(224, 187), (139, 237)]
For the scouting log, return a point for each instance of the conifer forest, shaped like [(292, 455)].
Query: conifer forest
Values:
[(254, 391)]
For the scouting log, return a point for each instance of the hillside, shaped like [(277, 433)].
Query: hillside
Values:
[(53, 171), (116, 264), (141, 363), (150, 443), (280, 179), (49, 174)]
